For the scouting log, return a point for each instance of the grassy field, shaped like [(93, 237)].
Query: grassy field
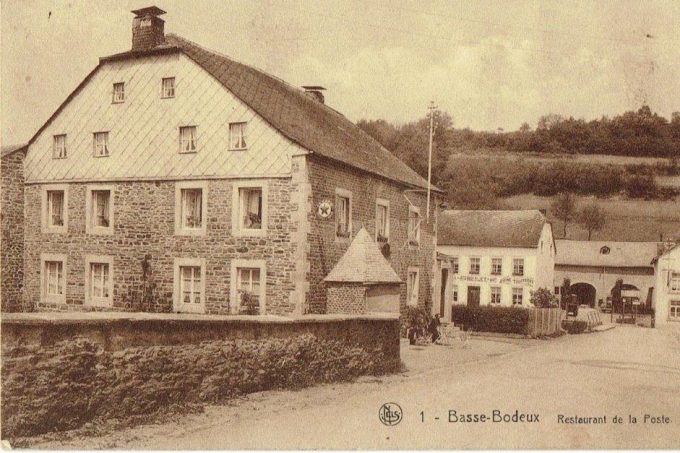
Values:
[(576, 158), (627, 220)]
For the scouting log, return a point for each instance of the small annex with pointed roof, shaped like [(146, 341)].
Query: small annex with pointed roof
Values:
[(363, 262)]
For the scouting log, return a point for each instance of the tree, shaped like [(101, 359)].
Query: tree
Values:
[(563, 208), (592, 218), (543, 298)]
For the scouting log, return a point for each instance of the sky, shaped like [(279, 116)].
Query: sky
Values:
[(490, 64)]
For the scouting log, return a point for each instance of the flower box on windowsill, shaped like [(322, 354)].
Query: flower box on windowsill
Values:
[(413, 242), (343, 234), (382, 239)]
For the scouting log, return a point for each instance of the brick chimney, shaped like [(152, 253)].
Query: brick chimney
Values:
[(147, 28), (315, 92)]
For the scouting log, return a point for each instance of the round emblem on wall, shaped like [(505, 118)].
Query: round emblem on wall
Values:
[(325, 209)]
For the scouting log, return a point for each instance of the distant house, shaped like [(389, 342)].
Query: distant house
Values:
[(175, 179), (594, 266), (492, 258), (667, 286)]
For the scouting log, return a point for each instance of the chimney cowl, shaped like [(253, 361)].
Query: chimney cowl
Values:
[(315, 92), (147, 28)]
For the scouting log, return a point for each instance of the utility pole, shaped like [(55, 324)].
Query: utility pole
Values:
[(431, 108)]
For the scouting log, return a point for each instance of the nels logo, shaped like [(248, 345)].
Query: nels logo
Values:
[(390, 414)]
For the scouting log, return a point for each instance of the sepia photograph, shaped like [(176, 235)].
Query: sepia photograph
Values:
[(340, 224)]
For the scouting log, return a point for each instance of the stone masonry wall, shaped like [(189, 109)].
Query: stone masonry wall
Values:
[(347, 298), (144, 216), (325, 250), (12, 224)]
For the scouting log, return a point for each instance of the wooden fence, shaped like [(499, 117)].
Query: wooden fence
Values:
[(544, 321)]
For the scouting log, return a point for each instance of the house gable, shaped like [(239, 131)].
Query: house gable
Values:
[(144, 128)]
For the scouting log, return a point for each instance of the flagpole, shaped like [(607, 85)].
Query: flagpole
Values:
[(429, 158)]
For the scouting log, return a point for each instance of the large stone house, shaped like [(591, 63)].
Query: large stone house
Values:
[(492, 258), (175, 179)]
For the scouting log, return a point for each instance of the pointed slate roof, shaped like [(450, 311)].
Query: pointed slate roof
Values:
[(305, 121), (490, 228), (363, 263)]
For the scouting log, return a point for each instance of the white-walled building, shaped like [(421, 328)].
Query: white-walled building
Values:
[(593, 267), (492, 258), (667, 286)]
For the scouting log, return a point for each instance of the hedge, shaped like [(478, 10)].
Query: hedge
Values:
[(491, 319), (74, 382)]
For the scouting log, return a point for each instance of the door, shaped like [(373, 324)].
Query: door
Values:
[(473, 296), (442, 295)]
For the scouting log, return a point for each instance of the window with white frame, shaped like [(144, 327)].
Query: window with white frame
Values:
[(518, 267), (343, 214), (495, 298), (454, 295), (248, 289), (168, 87), (517, 296), (53, 278), (100, 144), (99, 280), (191, 203), (99, 205), (496, 266), (382, 220), (674, 283), (190, 285), (189, 288), (413, 225), (56, 208), (192, 209), (59, 146), (412, 286), (454, 265), (247, 292), (250, 202), (237, 136), (187, 139), (118, 92), (674, 309), (475, 265)]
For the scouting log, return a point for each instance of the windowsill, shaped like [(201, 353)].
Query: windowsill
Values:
[(55, 229), (167, 97), (100, 302), (238, 149), (58, 157), (343, 239), (117, 102), (100, 155), (496, 275), (246, 232), (53, 300), (190, 232), (195, 151), (518, 275), (100, 231)]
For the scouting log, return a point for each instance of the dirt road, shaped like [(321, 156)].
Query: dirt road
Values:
[(625, 372)]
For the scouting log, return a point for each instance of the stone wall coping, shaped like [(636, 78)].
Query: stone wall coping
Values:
[(35, 318)]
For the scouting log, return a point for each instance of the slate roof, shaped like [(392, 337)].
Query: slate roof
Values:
[(363, 263), (303, 120), (490, 228), (621, 254), (9, 149)]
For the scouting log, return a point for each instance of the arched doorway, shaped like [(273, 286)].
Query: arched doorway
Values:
[(585, 293)]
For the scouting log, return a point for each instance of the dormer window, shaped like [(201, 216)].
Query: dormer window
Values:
[(118, 93), (237, 136), (187, 139), (59, 147), (101, 144), (168, 87)]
